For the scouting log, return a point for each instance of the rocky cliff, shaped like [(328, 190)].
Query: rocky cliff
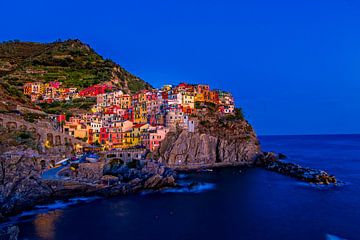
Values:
[(22, 185), (218, 141)]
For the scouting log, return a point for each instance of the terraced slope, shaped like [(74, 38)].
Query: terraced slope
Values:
[(71, 62)]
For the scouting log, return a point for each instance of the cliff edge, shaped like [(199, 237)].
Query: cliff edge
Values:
[(218, 141)]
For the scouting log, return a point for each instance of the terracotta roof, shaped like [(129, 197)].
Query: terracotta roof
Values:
[(139, 125)]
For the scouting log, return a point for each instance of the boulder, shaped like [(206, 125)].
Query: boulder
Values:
[(153, 182), (109, 180), (9, 233), (168, 182)]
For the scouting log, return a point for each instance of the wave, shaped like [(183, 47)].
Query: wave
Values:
[(182, 176), (64, 204), (40, 209), (186, 187), (321, 186), (198, 188), (333, 237)]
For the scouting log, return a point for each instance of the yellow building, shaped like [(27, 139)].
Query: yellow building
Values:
[(137, 132), (81, 131), (140, 113), (128, 139), (188, 100), (199, 97), (76, 130), (36, 88), (167, 88), (125, 101)]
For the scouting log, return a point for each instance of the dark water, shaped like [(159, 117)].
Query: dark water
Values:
[(231, 203)]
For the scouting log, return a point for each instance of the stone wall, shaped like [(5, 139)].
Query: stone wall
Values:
[(51, 141)]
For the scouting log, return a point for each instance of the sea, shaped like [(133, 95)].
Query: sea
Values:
[(229, 203)]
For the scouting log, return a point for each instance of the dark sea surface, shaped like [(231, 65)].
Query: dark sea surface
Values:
[(229, 204)]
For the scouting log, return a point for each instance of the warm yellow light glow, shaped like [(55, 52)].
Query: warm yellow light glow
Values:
[(47, 144)]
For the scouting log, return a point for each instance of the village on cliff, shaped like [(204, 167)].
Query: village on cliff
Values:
[(138, 121)]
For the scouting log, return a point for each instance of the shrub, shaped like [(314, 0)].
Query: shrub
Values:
[(31, 117), (238, 115), (197, 105), (204, 122)]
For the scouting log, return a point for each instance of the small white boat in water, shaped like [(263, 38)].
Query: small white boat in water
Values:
[(62, 162), (92, 158)]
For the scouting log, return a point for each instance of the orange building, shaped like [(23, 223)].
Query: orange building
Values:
[(125, 101)]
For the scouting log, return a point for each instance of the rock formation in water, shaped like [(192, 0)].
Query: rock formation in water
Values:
[(273, 162), (217, 141)]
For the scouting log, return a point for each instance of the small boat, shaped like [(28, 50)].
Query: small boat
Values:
[(63, 162), (92, 158), (206, 170)]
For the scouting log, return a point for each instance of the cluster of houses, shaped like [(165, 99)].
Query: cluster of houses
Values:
[(123, 121), (53, 91)]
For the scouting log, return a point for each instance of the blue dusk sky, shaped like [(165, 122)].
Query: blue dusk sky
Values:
[(293, 66)]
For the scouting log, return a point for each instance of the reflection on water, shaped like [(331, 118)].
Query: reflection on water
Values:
[(120, 208), (45, 224)]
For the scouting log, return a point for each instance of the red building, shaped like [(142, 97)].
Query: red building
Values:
[(188, 110), (61, 118), (151, 96), (113, 110), (90, 136), (165, 95), (55, 84), (95, 90), (104, 135), (184, 87)]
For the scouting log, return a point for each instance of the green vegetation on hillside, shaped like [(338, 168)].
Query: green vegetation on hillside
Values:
[(69, 106), (17, 138), (71, 62), (238, 115)]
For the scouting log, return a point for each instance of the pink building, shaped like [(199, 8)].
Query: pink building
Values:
[(156, 137)]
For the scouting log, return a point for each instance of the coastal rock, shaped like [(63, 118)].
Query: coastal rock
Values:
[(9, 233), (153, 182), (89, 172), (135, 182), (220, 143), (270, 161), (282, 156), (153, 168), (20, 182), (169, 181), (109, 180)]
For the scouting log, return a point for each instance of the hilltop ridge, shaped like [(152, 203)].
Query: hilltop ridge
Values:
[(71, 62)]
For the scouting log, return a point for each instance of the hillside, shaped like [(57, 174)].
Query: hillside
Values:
[(71, 62)]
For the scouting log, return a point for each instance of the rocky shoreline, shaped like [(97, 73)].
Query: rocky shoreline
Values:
[(273, 162), (26, 190), (23, 186)]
